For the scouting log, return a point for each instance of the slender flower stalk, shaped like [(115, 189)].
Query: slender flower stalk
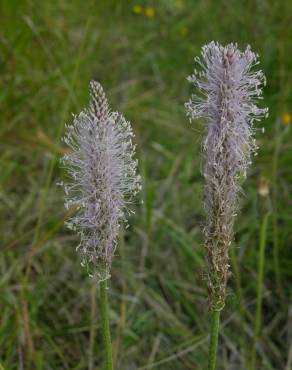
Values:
[(264, 211), (105, 324), (227, 91), (282, 127), (103, 181)]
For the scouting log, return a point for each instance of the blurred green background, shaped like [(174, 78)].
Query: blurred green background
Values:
[(142, 52)]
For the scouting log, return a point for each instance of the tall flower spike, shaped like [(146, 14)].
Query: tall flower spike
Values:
[(103, 179), (228, 89)]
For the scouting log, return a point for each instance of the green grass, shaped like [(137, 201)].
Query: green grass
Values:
[(49, 51)]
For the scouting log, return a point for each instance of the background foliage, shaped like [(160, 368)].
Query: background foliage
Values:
[(141, 52)]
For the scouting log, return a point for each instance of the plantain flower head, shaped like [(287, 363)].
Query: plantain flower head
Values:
[(102, 180), (227, 92)]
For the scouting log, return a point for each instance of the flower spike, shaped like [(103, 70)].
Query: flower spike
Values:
[(103, 179), (228, 89)]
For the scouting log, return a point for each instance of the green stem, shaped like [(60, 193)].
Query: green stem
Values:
[(105, 325), (258, 317), (275, 161), (215, 321), (240, 301)]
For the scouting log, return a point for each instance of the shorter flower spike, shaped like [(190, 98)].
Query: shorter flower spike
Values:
[(227, 91), (103, 180)]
